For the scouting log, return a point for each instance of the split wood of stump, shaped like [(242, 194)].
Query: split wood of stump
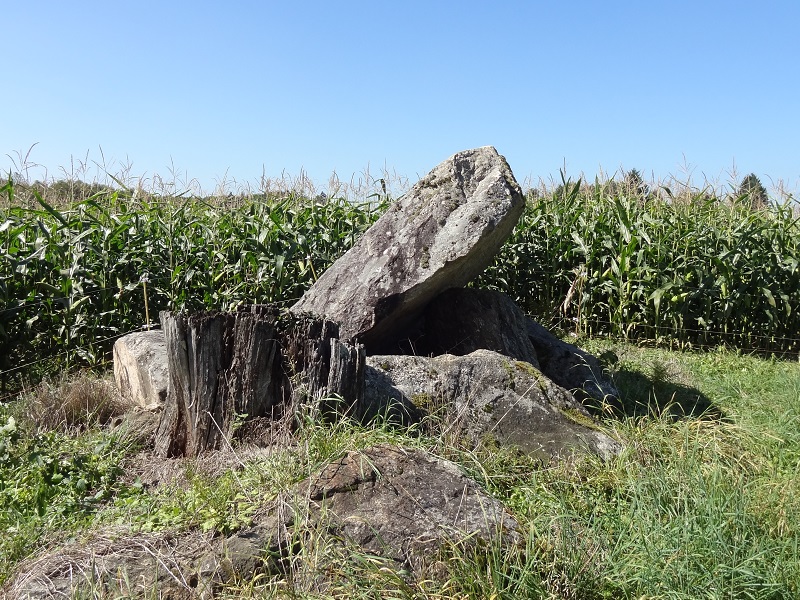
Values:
[(256, 362)]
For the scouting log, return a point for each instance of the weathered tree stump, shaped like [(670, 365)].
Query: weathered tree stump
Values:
[(256, 362)]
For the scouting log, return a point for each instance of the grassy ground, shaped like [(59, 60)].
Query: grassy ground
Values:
[(703, 503)]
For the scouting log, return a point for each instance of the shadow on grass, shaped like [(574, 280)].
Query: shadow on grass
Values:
[(653, 387), (656, 393)]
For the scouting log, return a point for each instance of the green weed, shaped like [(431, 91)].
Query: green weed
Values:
[(51, 482)]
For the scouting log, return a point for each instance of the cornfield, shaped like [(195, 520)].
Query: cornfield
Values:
[(696, 270), (73, 280), (591, 259)]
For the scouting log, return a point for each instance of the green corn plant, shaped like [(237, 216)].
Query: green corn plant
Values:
[(590, 259), (70, 276), (596, 260)]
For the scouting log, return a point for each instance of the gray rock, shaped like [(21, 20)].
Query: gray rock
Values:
[(261, 549), (401, 506), (140, 368), (441, 234), (405, 505), (460, 321), (574, 369), (485, 394)]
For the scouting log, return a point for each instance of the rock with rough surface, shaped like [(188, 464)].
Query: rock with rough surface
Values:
[(574, 369), (440, 235), (485, 394), (402, 507), (140, 368), (405, 505), (460, 321)]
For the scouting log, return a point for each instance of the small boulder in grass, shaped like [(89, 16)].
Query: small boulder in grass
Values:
[(140, 368)]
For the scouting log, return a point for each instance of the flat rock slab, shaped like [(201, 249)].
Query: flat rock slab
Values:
[(485, 394), (442, 234), (405, 505), (401, 506)]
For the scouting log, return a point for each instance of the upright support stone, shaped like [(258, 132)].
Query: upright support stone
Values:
[(463, 320), (140, 368)]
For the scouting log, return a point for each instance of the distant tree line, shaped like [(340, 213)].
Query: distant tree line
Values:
[(750, 192)]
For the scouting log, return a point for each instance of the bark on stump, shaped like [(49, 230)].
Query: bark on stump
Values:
[(256, 362)]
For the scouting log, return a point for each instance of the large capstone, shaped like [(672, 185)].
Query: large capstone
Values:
[(440, 235)]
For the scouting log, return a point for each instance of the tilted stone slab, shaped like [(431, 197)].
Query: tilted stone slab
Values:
[(442, 234)]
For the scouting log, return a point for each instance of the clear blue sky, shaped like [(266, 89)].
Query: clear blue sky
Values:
[(232, 89)]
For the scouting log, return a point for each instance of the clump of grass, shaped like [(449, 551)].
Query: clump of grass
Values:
[(220, 492), (76, 402)]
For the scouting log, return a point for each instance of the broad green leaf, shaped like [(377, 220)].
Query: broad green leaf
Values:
[(770, 297)]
